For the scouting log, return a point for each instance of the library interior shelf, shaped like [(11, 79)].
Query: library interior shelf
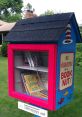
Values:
[(31, 73)]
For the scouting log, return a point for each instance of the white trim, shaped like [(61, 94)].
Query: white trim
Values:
[(68, 30), (64, 42)]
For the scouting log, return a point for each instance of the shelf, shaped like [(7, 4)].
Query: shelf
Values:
[(41, 69)]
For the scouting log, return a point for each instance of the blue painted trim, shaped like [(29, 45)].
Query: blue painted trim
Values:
[(76, 29), (36, 116), (65, 48)]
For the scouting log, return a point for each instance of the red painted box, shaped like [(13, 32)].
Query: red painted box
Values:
[(18, 69)]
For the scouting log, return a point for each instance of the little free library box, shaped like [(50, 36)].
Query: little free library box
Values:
[(41, 57)]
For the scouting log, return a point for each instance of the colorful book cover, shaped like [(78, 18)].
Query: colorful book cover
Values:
[(33, 85)]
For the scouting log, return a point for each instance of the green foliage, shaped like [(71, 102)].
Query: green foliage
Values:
[(48, 12), (79, 52), (29, 6), (80, 28), (79, 55), (4, 49), (13, 18), (9, 8)]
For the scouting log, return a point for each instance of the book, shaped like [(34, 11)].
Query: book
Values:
[(32, 59), (28, 59), (34, 86), (32, 82), (44, 80), (39, 94), (24, 83)]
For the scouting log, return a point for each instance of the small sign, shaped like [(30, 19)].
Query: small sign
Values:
[(32, 109), (66, 70)]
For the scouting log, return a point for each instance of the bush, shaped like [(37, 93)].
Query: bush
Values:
[(4, 49), (79, 55)]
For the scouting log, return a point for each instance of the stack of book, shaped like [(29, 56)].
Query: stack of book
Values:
[(34, 86), (31, 59)]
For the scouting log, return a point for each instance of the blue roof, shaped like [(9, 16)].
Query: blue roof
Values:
[(43, 29)]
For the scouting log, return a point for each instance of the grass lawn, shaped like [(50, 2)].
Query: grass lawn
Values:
[(8, 106)]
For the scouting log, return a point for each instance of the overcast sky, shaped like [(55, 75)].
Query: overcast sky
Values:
[(58, 6)]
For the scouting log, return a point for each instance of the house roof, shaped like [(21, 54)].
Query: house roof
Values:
[(6, 27), (2, 22), (43, 29)]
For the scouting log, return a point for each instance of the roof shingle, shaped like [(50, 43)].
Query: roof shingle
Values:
[(42, 29)]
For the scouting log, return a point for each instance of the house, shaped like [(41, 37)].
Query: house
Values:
[(2, 22), (54, 38), (5, 27)]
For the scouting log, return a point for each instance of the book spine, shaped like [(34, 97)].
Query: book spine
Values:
[(24, 82), (31, 60)]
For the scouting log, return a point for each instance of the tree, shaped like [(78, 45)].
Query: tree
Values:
[(48, 12), (13, 18), (79, 55), (29, 7), (10, 8)]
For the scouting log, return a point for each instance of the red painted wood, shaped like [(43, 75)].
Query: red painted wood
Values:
[(52, 50)]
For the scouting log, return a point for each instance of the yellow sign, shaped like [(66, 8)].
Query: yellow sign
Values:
[(66, 70)]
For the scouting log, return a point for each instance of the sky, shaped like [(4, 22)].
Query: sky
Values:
[(57, 6)]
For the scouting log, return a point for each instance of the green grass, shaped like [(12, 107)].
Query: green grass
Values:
[(8, 106), (74, 109)]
